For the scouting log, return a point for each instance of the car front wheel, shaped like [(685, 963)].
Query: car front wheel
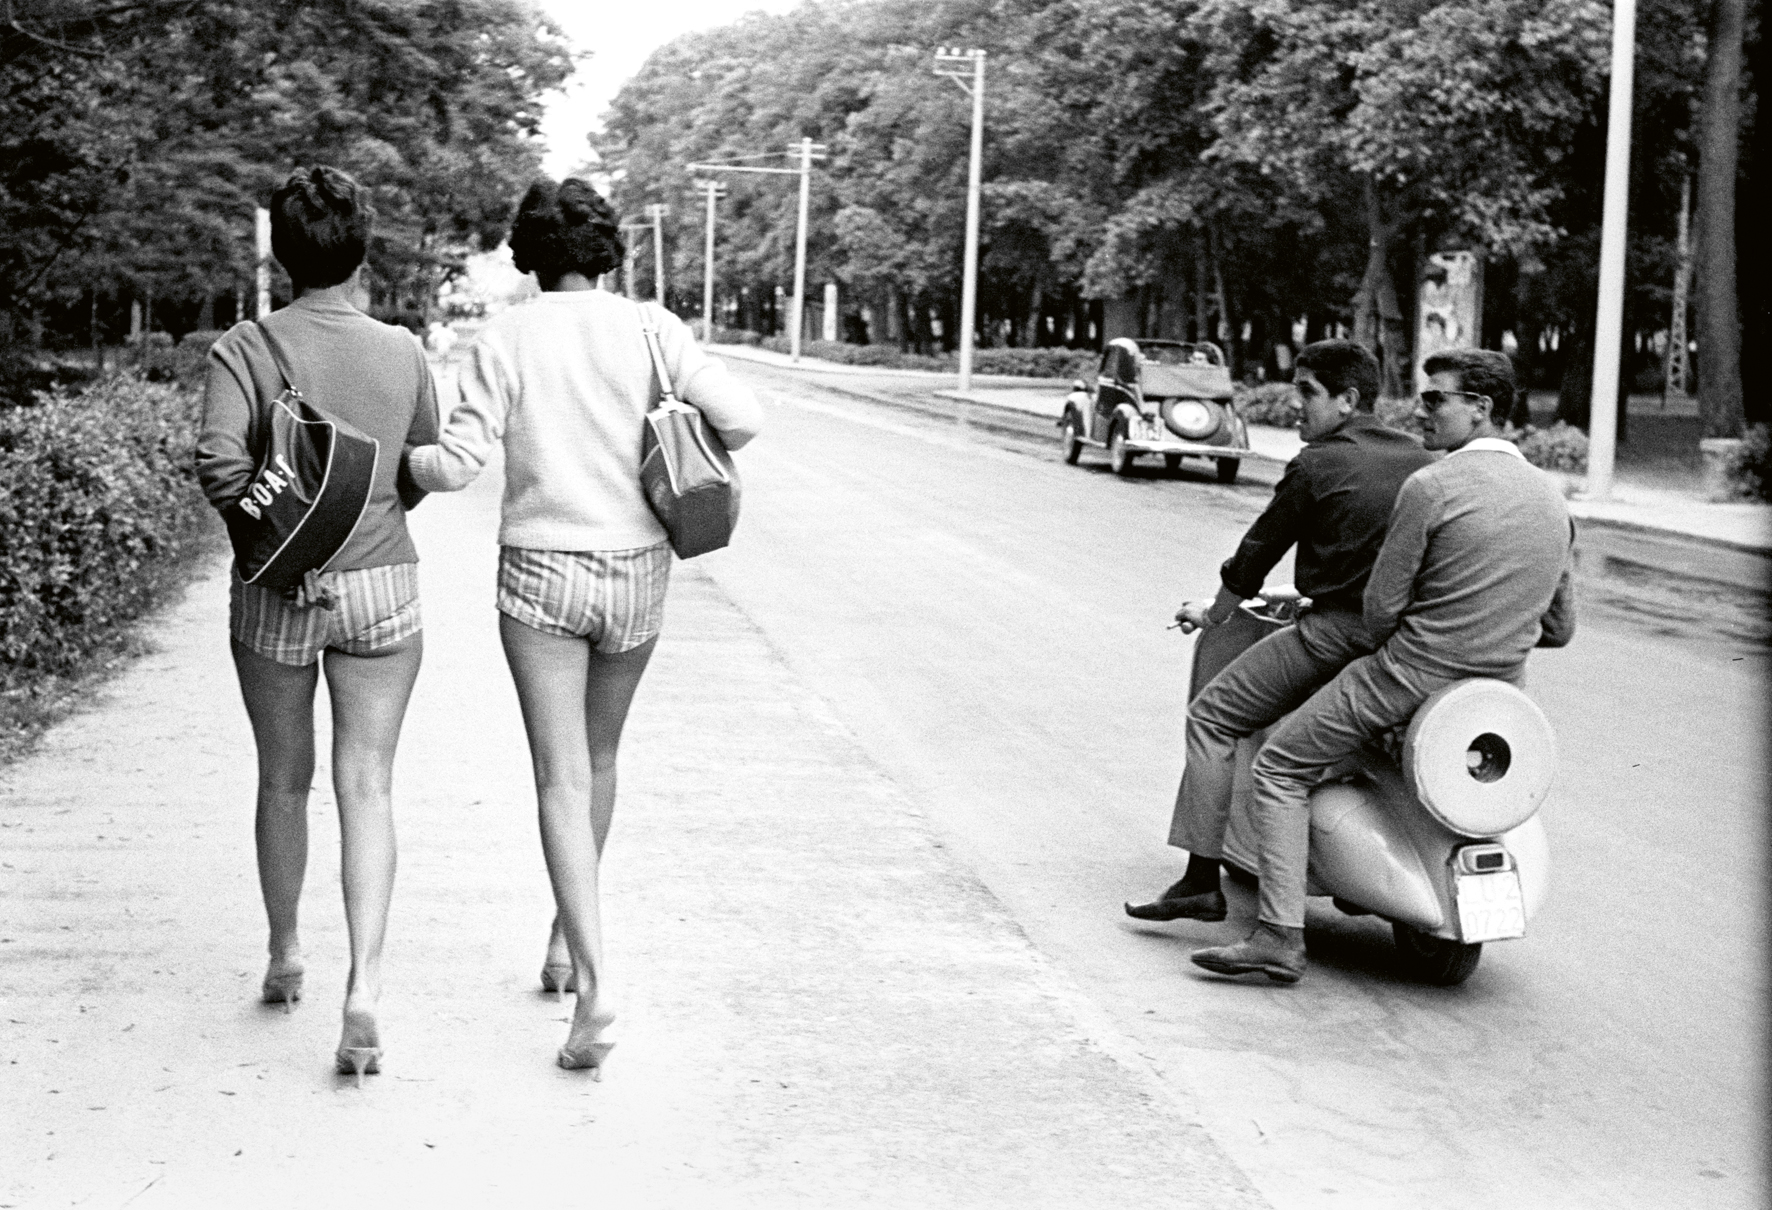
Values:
[(1228, 468), (1071, 440), (1119, 457)]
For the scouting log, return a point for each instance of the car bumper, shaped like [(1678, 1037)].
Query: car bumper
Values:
[(1191, 449)]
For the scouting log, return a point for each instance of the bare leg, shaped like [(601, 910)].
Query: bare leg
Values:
[(369, 696), (575, 701), (280, 702)]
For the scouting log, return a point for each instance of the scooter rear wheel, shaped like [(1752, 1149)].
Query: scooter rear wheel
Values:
[(1434, 959)]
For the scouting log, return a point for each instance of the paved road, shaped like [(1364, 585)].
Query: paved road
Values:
[(990, 624)]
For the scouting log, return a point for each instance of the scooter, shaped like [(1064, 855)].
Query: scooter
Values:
[(1434, 829)]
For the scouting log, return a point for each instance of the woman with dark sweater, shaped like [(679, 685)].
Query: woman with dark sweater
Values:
[(359, 618)]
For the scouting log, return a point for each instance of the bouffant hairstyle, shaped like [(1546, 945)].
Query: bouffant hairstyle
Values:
[(565, 228), (320, 224), (1483, 371), (1340, 364)]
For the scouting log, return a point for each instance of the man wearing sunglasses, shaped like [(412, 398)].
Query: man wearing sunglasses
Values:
[(1332, 504), (1475, 571)]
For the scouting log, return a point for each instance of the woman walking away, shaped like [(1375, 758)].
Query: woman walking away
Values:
[(360, 617), (565, 382)]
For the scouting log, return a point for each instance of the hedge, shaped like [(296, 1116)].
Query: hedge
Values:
[(1016, 363), (98, 502)]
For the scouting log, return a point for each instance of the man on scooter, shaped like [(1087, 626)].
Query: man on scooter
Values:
[(1332, 503), (1475, 570)]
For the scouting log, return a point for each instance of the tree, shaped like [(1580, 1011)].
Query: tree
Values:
[(1719, 325), (1433, 119)]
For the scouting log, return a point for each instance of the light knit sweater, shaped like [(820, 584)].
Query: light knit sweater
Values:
[(1477, 567), (565, 381)]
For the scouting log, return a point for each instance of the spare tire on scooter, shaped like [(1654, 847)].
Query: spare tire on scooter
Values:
[(1480, 755)]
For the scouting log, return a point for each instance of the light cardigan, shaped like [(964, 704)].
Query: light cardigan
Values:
[(565, 381)]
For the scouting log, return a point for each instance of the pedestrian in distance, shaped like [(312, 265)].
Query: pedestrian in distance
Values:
[(359, 619), (1477, 568), (1332, 503), (565, 382)]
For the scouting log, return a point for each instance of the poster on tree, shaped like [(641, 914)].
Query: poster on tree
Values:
[(1450, 314)]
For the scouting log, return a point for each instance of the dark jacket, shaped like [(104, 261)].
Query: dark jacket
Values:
[(1333, 503)]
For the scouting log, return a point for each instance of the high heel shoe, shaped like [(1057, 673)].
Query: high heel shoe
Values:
[(556, 977), (283, 988), (589, 1056), (359, 1050)]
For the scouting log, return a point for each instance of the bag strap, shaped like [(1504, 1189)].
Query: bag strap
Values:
[(277, 356), (650, 330)]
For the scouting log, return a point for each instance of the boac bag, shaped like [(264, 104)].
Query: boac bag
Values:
[(685, 469), (310, 490)]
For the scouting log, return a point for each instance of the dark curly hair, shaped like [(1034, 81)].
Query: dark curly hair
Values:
[(320, 224), (1482, 371), (565, 228)]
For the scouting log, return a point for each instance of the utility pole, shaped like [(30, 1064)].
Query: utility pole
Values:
[(800, 248), (952, 59), (1602, 429), (658, 211), (262, 276), (1678, 364), (714, 190), (808, 151)]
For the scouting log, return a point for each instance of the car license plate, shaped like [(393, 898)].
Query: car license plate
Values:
[(1490, 906)]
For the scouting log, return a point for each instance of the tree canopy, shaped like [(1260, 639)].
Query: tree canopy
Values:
[(1216, 168), (136, 139)]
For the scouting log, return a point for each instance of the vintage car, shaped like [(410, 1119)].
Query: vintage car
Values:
[(1163, 397)]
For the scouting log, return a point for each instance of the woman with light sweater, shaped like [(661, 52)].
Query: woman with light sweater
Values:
[(565, 382)]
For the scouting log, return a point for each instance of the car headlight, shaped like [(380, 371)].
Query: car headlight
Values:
[(1194, 419)]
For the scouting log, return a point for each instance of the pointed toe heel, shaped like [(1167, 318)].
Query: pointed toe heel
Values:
[(588, 1057), (556, 977), (284, 989), (359, 1061)]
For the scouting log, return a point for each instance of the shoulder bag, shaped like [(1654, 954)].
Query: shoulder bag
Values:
[(312, 485), (685, 469)]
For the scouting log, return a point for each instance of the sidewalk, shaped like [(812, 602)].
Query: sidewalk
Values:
[(1744, 526), (819, 1007)]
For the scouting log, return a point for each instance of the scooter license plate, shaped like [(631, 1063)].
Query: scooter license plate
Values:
[(1490, 906)]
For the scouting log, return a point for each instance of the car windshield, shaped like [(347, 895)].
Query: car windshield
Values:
[(1178, 354)]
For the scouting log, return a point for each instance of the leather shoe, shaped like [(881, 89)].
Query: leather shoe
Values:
[(1276, 952), (1207, 905)]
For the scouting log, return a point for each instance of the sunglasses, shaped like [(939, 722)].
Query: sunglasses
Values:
[(1431, 400)]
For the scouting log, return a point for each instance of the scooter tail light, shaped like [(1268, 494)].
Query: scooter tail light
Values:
[(1483, 859)]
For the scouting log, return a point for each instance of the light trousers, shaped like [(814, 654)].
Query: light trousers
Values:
[(1366, 699), (1258, 688)]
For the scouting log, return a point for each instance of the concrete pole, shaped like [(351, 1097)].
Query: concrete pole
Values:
[(969, 282), (707, 280), (658, 213), (800, 247), (262, 277), (1602, 429)]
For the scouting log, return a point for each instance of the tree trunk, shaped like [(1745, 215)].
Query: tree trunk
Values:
[(1378, 320), (1202, 306), (1719, 324)]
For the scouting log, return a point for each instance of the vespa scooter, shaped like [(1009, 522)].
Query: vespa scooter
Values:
[(1435, 830)]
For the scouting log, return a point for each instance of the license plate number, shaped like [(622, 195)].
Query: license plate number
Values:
[(1490, 906)]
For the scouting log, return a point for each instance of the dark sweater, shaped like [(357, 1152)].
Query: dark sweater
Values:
[(1477, 568), (370, 374), (1333, 502)]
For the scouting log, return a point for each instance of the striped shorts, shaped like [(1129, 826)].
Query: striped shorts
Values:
[(614, 598), (372, 608)]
